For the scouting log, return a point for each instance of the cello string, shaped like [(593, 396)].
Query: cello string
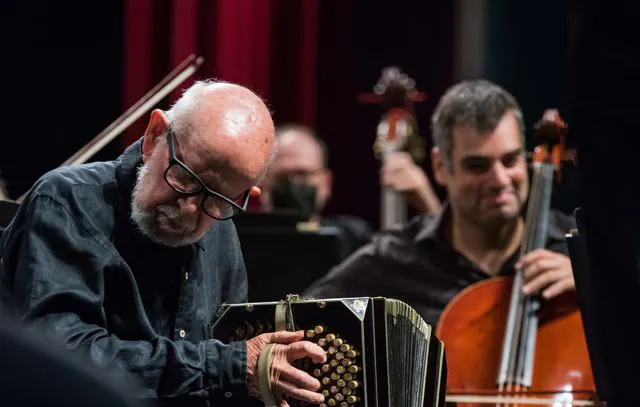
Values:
[(528, 242), (546, 181), (528, 326), (514, 327), (521, 326), (533, 222), (543, 182)]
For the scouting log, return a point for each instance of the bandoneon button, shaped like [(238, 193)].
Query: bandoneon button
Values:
[(182, 333)]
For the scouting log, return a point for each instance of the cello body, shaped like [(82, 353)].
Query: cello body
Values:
[(472, 327)]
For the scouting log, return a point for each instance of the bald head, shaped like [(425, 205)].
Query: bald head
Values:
[(219, 137), (228, 123), (293, 139)]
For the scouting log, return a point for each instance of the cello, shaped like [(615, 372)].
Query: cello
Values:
[(505, 348), (397, 130)]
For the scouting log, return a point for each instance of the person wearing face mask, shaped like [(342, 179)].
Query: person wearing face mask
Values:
[(300, 181), (128, 261), (479, 157)]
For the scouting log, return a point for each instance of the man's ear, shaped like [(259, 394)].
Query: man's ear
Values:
[(255, 191), (437, 164), (328, 174), (158, 125)]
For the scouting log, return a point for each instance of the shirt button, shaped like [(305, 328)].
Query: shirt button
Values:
[(182, 333), (228, 394)]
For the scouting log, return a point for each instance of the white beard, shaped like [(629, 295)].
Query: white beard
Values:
[(163, 225)]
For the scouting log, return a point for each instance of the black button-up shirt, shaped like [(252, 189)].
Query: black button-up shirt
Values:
[(417, 264), (73, 261)]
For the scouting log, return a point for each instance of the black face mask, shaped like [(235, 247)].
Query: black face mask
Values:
[(293, 197)]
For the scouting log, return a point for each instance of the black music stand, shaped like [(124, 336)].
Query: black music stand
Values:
[(578, 252), (283, 260), (267, 219)]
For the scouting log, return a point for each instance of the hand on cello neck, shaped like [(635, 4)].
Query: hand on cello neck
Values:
[(546, 273)]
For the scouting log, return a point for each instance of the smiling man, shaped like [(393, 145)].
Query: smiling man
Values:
[(479, 157), (128, 261)]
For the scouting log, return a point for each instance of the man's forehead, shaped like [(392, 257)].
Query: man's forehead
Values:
[(295, 139), (292, 145), (205, 156), (219, 172), (502, 140), (200, 150)]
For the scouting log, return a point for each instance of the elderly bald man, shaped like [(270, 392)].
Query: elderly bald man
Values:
[(127, 261)]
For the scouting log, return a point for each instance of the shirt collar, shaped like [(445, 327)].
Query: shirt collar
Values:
[(127, 166), (433, 227)]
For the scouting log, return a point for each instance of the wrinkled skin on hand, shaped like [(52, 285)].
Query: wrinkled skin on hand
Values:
[(286, 379)]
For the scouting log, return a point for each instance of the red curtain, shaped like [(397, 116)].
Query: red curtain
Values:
[(266, 45)]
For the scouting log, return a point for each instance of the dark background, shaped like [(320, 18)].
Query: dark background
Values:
[(64, 63), (62, 77)]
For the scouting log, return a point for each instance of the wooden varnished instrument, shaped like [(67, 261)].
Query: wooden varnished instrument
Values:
[(396, 131), (505, 348)]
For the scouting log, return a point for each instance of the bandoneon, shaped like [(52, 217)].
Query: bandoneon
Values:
[(380, 352)]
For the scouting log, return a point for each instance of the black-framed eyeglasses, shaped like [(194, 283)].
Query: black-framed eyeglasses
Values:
[(185, 182)]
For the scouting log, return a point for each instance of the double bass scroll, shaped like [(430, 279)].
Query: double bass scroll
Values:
[(397, 131)]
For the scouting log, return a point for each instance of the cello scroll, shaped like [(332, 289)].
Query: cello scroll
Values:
[(551, 129)]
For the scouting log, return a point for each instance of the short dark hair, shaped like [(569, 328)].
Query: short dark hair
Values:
[(479, 104), (287, 127)]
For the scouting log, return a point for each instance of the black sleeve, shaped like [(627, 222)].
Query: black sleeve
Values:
[(357, 276), (37, 372), (239, 286), (54, 271)]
